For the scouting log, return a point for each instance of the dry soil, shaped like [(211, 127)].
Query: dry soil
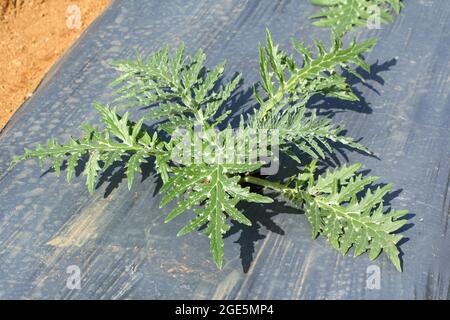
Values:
[(33, 35)]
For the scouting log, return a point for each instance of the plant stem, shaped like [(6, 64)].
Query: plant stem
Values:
[(265, 183)]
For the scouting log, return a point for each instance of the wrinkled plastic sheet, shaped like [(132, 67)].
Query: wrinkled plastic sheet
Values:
[(117, 237)]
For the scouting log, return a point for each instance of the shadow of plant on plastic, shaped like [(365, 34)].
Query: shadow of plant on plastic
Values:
[(330, 106)]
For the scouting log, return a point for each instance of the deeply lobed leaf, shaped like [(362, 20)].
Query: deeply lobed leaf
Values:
[(343, 15), (335, 210), (180, 88), (317, 75), (100, 149), (217, 188), (288, 89)]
